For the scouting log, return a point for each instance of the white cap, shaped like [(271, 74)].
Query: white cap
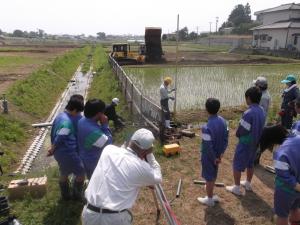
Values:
[(260, 81), (116, 101), (144, 138)]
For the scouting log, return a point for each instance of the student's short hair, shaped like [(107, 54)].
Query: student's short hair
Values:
[(76, 102), (254, 93), (92, 107), (212, 105)]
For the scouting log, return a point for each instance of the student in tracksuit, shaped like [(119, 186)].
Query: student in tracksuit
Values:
[(93, 134), (290, 94), (248, 132), (164, 100), (287, 169), (65, 149), (296, 126), (214, 144)]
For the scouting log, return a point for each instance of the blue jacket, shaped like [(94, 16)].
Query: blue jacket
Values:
[(251, 126), (63, 132), (289, 95), (286, 164), (92, 138), (214, 138), (296, 128)]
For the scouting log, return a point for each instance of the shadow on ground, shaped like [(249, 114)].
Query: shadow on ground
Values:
[(217, 216), (250, 200), (264, 176), (64, 213)]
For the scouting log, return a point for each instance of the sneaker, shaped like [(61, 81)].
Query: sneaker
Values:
[(234, 189), (206, 201), (247, 185), (216, 198)]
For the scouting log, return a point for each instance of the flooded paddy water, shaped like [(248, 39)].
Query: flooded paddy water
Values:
[(197, 83)]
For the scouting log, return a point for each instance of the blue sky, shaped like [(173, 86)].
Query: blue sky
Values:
[(118, 16)]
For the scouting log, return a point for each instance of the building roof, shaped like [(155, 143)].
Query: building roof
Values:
[(290, 6), (278, 25)]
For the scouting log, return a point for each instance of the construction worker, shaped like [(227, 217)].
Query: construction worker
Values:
[(289, 96), (164, 100), (262, 84), (287, 169), (93, 137), (110, 112), (65, 149), (249, 132), (214, 144), (116, 181)]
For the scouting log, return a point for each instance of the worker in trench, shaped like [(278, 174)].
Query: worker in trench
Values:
[(164, 100), (287, 170), (117, 179), (110, 112), (65, 149)]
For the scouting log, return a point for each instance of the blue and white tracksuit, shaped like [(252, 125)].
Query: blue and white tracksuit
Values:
[(287, 168), (214, 144), (249, 133), (92, 138), (64, 138), (296, 128)]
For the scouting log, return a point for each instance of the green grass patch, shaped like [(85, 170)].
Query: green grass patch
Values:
[(8, 61), (38, 93)]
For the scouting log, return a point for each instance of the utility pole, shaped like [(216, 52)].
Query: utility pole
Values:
[(217, 20), (209, 33), (176, 67)]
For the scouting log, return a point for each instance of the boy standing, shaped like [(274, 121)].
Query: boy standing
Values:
[(248, 132), (92, 136), (214, 143)]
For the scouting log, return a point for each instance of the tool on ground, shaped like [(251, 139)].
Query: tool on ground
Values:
[(170, 215), (171, 149), (46, 124), (157, 207), (203, 182), (178, 190), (270, 169)]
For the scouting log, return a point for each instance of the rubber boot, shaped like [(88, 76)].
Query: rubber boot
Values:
[(78, 190), (167, 124), (64, 190)]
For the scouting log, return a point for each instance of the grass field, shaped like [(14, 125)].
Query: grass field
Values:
[(253, 208)]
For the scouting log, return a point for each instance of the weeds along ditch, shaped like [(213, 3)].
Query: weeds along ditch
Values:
[(196, 84), (33, 99)]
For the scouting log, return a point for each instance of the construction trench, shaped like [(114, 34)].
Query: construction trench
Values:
[(35, 159)]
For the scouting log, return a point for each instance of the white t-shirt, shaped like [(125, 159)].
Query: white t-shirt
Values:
[(118, 176)]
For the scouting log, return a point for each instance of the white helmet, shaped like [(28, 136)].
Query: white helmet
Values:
[(116, 101)]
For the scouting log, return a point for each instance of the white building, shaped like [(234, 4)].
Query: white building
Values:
[(280, 28)]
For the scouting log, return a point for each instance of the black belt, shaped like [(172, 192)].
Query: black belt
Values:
[(102, 210)]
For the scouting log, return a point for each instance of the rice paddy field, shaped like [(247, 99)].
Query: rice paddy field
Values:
[(197, 83)]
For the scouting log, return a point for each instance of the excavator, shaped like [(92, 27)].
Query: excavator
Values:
[(125, 56)]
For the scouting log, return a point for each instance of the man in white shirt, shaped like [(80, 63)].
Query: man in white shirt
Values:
[(115, 183), (164, 100)]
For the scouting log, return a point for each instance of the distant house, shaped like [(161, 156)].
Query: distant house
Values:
[(280, 28)]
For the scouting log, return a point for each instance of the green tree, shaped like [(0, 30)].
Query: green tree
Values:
[(164, 37), (183, 34), (101, 35), (240, 14), (193, 35), (18, 33)]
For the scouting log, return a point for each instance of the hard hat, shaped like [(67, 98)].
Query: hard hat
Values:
[(116, 101), (168, 80), (261, 82), (289, 78)]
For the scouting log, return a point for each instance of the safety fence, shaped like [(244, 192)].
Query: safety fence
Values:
[(147, 109)]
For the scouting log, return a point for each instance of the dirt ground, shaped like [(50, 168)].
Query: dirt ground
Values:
[(37, 55), (212, 58), (252, 208)]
